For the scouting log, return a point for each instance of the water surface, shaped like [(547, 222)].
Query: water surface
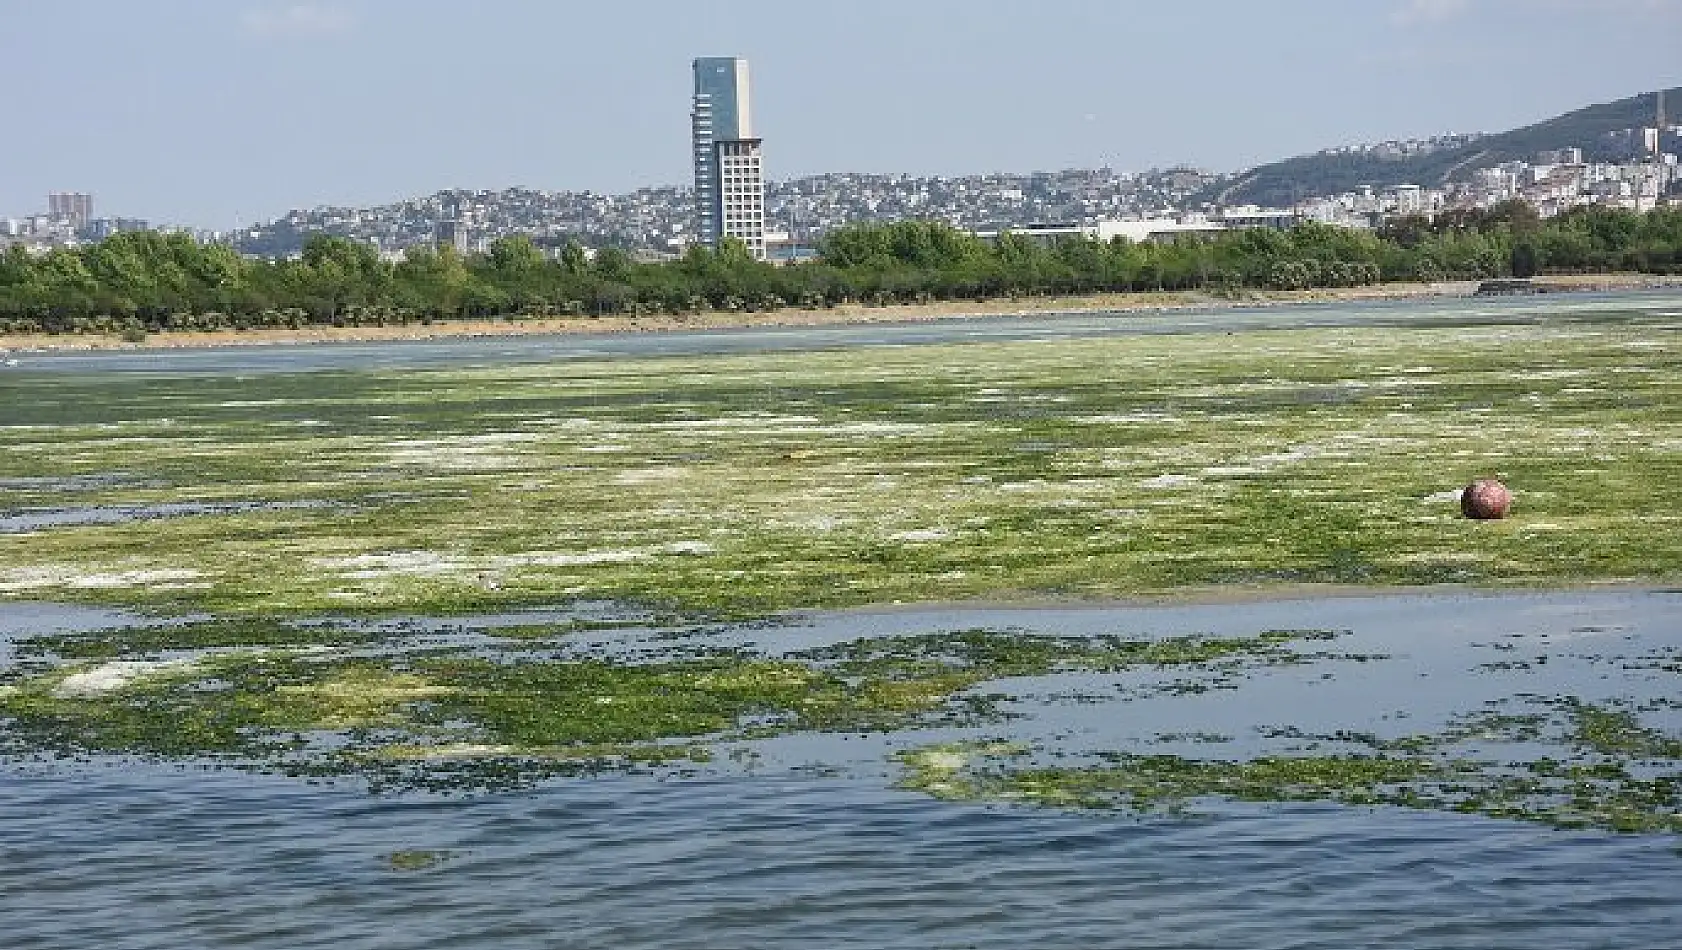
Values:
[(804, 841), (1661, 306), (142, 859)]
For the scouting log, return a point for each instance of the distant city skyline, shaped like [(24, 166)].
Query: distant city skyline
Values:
[(219, 114)]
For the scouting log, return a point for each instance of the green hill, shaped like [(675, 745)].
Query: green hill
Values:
[(1287, 182)]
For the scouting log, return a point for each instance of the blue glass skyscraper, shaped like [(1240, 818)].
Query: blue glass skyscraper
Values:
[(729, 175)]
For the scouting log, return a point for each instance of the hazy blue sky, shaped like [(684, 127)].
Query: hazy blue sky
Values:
[(218, 112)]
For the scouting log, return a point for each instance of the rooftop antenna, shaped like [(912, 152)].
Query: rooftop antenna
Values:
[(1658, 129)]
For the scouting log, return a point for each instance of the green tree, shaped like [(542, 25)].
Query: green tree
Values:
[(515, 256), (611, 263), (1524, 259), (573, 260), (432, 282)]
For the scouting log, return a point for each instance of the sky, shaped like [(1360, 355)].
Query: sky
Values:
[(218, 113)]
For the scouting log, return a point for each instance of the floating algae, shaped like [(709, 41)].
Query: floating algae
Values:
[(1300, 457), (1597, 768), (1578, 728), (416, 860), (314, 698), (140, 641)]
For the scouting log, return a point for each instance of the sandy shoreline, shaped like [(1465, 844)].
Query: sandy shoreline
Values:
[(846, 314)]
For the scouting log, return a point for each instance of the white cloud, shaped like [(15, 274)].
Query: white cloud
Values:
[(298, 19)]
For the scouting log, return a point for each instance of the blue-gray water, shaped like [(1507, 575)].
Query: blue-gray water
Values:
[(808, 843), (1661, 306), (147, 858)]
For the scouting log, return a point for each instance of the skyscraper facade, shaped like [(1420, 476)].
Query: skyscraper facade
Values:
[(729, 172), (72, 206)]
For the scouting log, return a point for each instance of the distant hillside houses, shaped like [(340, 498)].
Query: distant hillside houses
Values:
[(1156, 205), (1626, 132), (1556, 182), (1158, 230), (39, 234), (660, 221), (1398, 149), (1614, 155)]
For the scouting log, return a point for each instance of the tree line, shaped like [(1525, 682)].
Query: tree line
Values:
[(141, 282)]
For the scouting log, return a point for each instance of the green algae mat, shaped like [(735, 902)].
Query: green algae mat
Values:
[(1558, 709), (631, 530), (743, 484)]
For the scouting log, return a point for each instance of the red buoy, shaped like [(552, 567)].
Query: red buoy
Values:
[(1485, 500)]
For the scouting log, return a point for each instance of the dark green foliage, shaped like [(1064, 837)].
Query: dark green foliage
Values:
[(139, 283), (1524, 259), (1509, 238)]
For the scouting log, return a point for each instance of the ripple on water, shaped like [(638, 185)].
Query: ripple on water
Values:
[(787, 855), (148, 858)]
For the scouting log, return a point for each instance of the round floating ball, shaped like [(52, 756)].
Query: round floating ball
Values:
[(1485, 500)]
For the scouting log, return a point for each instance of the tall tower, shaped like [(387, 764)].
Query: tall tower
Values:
[(1658, 130), (1666, 176), (729, 172), (72, 206)]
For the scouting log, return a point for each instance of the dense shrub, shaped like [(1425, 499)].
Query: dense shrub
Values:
[(170, 282)]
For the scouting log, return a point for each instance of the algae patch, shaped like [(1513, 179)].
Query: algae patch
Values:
[(1589, 767), (744, 484), (409, 861), (110, 677), (408, 712)]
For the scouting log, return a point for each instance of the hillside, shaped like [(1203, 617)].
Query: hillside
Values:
[(650, 218), (1281, 184)]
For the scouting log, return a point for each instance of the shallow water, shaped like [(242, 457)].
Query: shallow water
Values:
[(1656, 305), (35, 519), (803, 840), (141, 858)]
